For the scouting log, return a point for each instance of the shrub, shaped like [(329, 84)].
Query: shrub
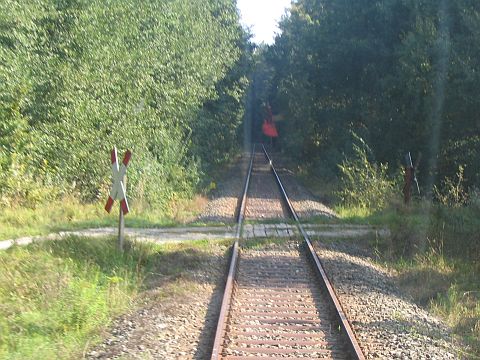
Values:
[(364, 183), (452, 192)]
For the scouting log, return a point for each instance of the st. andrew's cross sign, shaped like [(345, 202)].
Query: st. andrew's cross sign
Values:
[(118, 190)]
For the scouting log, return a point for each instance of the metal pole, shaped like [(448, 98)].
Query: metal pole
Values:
[(407, 188), (121, 230), (121, 223)]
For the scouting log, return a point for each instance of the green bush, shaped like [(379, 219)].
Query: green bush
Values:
[(452, 192), (365, 184)]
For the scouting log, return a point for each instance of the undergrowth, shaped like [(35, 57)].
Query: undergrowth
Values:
[(434, 244), (365, 184), (54, 296), (436, 250), (57, 296), (449, 288)]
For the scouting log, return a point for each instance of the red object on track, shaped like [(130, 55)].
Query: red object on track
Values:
[(268, 127)]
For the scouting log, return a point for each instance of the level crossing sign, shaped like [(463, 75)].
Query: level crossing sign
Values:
[(118, 190)]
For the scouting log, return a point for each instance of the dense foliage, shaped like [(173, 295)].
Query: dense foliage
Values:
[(364, 184), (163, 78), (404, 75)]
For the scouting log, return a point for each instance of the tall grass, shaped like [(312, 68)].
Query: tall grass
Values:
[(365, 184), (435, 249), (449, 287), (55, 296)]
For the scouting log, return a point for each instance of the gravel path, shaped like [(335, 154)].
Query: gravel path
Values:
[(185, 234), (387, 324), (176, 321)]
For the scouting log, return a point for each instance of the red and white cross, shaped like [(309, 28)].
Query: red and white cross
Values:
[(118, 191)]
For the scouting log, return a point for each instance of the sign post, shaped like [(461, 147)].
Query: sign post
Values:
[(119, 192), (410, 177), (121, 230)]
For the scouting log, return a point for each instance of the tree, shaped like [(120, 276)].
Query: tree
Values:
[(87, 75), (399, 73)]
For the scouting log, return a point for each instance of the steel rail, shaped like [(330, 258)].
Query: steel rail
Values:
[(355, 349), (228, 292), (241, 211)]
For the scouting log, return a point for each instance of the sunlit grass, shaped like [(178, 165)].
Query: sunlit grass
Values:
[(69, 214), (57, 296), (447, 286), (353, 213)]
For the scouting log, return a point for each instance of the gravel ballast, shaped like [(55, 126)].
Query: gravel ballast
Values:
[(305, 203), (263, 194), (223, 201), (387, 323), (264, 199), (176, 321)]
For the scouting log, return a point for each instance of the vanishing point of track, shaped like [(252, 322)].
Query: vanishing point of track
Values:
[(279, 303)]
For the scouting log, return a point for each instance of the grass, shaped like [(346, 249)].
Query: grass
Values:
[(449, 288), (434, 248), (57, 296), (436, 252), (69, 214)]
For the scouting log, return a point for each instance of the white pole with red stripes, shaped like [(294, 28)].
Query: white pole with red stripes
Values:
[(119, 191)]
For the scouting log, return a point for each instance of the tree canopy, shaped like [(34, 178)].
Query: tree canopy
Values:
[(402, 74), (80, 76)]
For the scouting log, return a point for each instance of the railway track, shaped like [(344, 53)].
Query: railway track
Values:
[(278, 303)]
